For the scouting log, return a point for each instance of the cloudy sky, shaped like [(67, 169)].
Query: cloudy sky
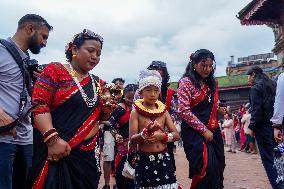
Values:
[(139, 31)]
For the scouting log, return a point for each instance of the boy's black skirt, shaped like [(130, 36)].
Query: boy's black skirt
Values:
[(155, 170)]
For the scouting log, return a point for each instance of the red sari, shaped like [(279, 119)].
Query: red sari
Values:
[(242, 131), (56, 93)]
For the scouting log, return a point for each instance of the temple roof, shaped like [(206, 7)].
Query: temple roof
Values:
[(259, 12)]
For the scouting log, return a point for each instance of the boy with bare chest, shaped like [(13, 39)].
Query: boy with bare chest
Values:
[(147, 129)]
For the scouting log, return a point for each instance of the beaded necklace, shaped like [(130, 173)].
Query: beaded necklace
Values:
[(90, 102)]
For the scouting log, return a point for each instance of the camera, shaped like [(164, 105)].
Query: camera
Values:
[(33, 66)]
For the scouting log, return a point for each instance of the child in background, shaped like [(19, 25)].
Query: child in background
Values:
[(228, 126)]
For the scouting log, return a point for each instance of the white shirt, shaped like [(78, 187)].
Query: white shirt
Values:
[(246, 121), (279, 101), (228, 124)]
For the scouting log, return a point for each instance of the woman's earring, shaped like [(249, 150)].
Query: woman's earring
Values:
[(194, 69), (74, 56)]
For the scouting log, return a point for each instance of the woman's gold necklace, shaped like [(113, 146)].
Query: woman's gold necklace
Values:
[(74, 73), (90, 102)]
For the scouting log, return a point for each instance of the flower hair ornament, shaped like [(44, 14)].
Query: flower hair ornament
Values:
[(88, 34), (84, 35), (148, 78), (68, 47), (190, 56)]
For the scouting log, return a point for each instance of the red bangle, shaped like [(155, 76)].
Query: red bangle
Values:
[(144, 133), (167, 137), (47, 133), (52, 140)]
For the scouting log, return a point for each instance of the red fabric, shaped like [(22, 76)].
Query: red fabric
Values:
[(189, 94), (170, 93), (117, 160), (53, 87), (197, 178), (40, 179), (213, 120), (91, 145), (236, 122), (82, 132), (199, 98), (85, 129), (242, 132), (242, 137), (186, 93), (122, 148), (125, 118)]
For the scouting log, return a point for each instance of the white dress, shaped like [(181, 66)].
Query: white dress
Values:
[(229, 131)]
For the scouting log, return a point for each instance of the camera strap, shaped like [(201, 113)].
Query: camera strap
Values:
[(16, 55)]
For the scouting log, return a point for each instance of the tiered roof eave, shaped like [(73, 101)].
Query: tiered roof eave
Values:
[(258, 12)]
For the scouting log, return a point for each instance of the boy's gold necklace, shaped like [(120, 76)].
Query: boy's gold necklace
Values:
[(160, 110)]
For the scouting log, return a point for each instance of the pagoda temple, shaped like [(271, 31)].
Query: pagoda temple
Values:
[(270, 13)]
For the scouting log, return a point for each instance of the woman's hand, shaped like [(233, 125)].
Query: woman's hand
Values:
[(37, 73), (252, 134), (12, 132), (58, 150), (208, 135), (5, 119), (278, 136), (118, 138)]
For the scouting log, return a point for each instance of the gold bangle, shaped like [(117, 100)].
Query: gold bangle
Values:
[(49, 136)]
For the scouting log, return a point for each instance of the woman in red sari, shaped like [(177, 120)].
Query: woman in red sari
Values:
[(198, 108), (242, 131), (67, 104)]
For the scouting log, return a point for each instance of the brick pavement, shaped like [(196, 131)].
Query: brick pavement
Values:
[(243, 171)]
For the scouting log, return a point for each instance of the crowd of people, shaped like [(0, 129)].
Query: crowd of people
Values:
[(236, 132), (55, 131)]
